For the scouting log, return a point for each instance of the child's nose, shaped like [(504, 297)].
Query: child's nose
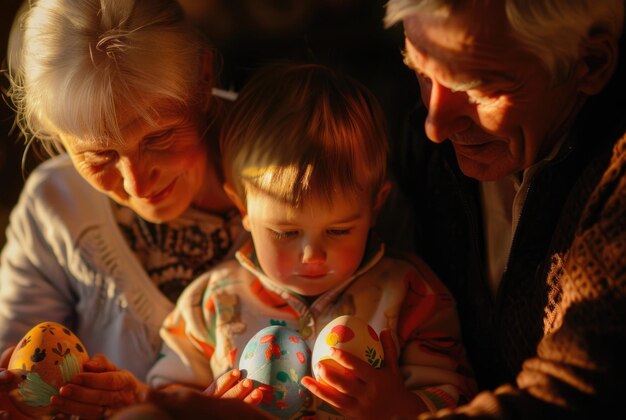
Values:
[(313, 253)]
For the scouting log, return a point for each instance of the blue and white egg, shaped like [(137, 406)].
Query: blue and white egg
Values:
[(275, 359)]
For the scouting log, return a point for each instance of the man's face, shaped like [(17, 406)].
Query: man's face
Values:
[(492, 99)]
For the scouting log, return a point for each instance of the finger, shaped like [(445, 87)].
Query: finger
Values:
[(99, 363), (254, 398), (98, 397), (327, 393), (342, 379), (77, 408), (6, 379), (389, 350), (358, 367), (107, 381), (113, 389), (239, 390), (223, 383), (6, 356)]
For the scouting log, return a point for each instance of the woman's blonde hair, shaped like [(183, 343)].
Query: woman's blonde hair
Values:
[(553, 30), (303, 129), (81, 62)]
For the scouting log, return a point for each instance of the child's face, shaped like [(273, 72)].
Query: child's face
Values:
[(311, 249)]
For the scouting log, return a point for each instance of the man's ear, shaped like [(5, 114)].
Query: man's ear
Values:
[(238, 202), (598, 60), (380, 199)]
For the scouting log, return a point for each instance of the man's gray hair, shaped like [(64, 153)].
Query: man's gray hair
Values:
[(553, 30)]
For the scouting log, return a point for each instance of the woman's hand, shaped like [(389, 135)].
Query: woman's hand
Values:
[(357, 390), (230, 385), (6, 377), (99, 390), (8, 382)]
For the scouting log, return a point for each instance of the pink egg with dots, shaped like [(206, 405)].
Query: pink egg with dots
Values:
[(352, 334)]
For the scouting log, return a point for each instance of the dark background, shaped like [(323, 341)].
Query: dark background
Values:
[(346, 34), (11, 180)]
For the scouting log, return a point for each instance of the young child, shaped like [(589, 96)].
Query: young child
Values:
[(305, 163)]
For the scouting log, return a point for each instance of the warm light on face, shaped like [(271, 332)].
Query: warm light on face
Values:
[(492, 99), (311, 249), (157, 171)]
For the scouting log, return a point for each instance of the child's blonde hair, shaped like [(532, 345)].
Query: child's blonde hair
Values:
[(81, 62), (303, 129)]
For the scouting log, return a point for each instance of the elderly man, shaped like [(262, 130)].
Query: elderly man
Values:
[(520, 194)]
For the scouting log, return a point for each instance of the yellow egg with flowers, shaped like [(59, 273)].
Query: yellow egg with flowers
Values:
[(48, 357), (351, 334)]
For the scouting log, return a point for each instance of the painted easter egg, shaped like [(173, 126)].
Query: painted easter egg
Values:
[(351, 334), (275, 359), (48, 356)]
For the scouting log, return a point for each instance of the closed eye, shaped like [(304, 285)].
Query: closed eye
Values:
[(287, 234), (99, 158), (338, 232), (479, 98), (160, 138)]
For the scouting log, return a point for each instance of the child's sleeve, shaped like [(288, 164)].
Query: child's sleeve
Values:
[(432, 358), (186, 352)]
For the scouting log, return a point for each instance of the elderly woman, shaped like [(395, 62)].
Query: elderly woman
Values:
[(107, 233)]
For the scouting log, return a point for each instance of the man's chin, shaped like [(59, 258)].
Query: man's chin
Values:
[(483, 172)]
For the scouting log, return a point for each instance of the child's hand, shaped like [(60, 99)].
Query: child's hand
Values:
[(99, 390), (357, 390), (230, 385)]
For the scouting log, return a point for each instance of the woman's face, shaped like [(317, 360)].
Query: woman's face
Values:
[(157, 170)]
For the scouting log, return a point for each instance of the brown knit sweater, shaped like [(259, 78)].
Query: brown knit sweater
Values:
[(578, 370)]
